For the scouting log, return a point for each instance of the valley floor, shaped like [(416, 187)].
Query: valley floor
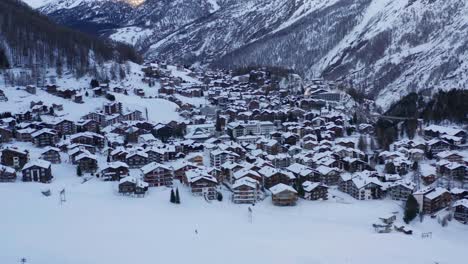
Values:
[(95, 225)]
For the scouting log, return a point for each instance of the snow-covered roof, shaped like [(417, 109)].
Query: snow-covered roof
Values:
[(246, 181), (85, 155), (115, 165), (131, 179), (324, 170), (462, 202), (152, 166), (438, 191), (243, 172), (268, 171), (443, 129), (199, 174), (136, 153), (281, 187), (310, 186), (49, 148), (39, 163), (7, 169), (407, 184), (299, 169)]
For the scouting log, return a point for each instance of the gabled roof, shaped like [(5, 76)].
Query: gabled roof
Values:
[(462, 202), (246, 181), (436, 193), (243, 172), (7, 169), (152, 166), (268, 171), (39, 163), (310, 186), (86, 155), (115, 165), (199, 174), (281, 187)]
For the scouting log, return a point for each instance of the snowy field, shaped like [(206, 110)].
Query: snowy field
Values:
[(95, 225)]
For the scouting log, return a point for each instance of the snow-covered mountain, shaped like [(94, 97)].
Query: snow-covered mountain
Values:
[(386, 48)]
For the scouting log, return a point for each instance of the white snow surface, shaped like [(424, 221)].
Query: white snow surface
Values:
[(37, 3), (130, 35), (95, 225)]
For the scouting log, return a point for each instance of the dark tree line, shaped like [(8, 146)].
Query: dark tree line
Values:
[(29, 38), (451, 105), (445, 105), (4, 63)]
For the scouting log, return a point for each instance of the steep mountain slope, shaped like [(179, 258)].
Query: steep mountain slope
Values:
[(403, 46), (384, 48), (29, 39), (131, 21)]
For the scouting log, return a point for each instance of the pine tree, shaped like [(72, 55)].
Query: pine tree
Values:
[(429, 155), (372, 144), (411, 209), (78, 171), (362, 143), (390, 168), (173, 198), (218, 123), (300, 189), (219, 196), (94, 83), (177, 197), (319, 135), (355, 119)]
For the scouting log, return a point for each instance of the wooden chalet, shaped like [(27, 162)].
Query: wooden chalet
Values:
[(64, 127), (461, 211), (156, 174), (401, 190), (45, 137), (37, 171), (272, 176), (202, 183), (52, 155), (436, 200), (283, 195), (315, 191), (7, 174), (361, 187), (14, 157), (136, 159), (88, 138), (87, 162), (114, 171), (132, 186), (246, 191)]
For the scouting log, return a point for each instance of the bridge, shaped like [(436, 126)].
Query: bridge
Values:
[(394, 117)]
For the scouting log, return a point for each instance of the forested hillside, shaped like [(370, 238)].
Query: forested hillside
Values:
[(30, 40), (444, 106)]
